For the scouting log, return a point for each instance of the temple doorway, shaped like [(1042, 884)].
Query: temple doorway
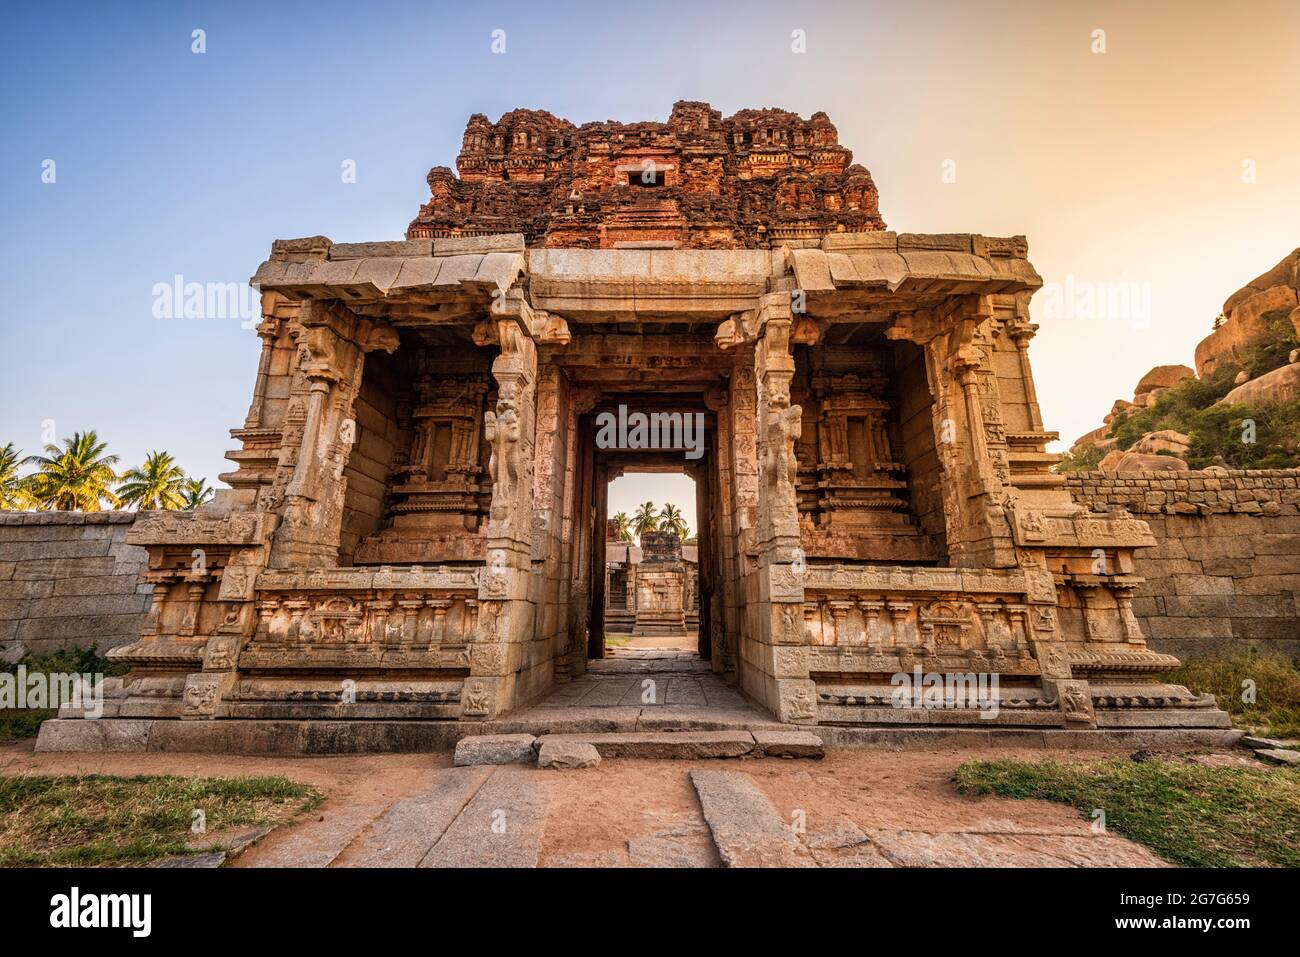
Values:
[(651, 575), (652, 567)]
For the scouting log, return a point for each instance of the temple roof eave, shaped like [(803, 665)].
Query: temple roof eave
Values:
[(447, 279), (886, 262)]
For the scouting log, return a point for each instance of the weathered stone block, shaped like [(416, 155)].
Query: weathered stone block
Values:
[(82, 734), (566, 754), (75, 548), (495, 749), (788, 744), (1202, 585)]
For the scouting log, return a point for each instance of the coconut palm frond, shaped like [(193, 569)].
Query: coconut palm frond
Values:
[(78, 476), (14, 492), (646, 518), (670, 520), (196, 493), (158, 484)]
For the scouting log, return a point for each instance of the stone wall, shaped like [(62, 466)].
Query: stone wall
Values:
[(68, 579), (1226, 569)]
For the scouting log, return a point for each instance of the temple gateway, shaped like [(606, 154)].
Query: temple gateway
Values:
[(416, 525)]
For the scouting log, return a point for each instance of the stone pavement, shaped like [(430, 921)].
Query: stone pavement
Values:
[(506, 816), (855, 807), (644, 689), (687, 641)]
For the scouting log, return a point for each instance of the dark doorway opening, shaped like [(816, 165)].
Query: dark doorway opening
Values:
[(604, 464)]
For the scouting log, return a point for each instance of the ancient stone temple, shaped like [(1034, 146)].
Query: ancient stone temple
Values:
[(416, 523), (651, 588)]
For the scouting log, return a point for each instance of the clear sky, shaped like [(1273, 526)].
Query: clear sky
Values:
[(1170, 161)]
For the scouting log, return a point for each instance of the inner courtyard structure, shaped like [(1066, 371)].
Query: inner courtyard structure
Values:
[(416, 525)]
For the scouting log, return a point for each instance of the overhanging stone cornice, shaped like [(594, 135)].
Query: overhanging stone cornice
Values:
[(848, 276), (412, 282), (892, 269)]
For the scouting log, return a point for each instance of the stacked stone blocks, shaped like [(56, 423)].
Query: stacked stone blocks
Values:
[(68, 579)]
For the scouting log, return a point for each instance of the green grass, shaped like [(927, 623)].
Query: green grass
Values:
[(1274, 713), (18, 723), (98, 821), (1188, 814), (616, 642)]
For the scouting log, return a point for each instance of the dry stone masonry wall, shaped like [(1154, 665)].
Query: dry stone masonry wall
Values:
[(1226, 565), (68, 579)]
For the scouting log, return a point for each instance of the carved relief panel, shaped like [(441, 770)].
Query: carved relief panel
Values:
[(440, 471)]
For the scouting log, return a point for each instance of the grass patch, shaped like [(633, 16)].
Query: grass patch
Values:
[(26, 722), (616, 642), (97, 820), (1274, 713), (18, 723), (1188, 814)]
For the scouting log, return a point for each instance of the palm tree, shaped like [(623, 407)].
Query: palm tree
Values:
[(77, 477), (623, 526), (13, 487), (159, 483), (196, 493), (671, 521), (646, 518)]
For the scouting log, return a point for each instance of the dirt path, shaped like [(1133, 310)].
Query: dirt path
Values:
[(855, 807)]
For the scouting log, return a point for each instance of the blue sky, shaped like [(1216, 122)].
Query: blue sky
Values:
[(1121, 167)]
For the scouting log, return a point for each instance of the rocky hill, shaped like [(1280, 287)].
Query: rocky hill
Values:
[(1240, 407)]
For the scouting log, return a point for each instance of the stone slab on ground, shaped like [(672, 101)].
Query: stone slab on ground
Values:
[(745, 826), (789, 744), (845, 844), (956, 849), (676, 846), (334, 829), (664, 744), (231, 842), (500, 827), (969, 849), (1279, 756), (1265, 744), (403, 835), (566, 754), (495, 749)]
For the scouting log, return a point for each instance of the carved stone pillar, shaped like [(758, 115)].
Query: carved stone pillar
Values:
[(506, 615), (1128, 620), (332, 350), (268, 330), (780, 428), (784, 641), (1021, 333)]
